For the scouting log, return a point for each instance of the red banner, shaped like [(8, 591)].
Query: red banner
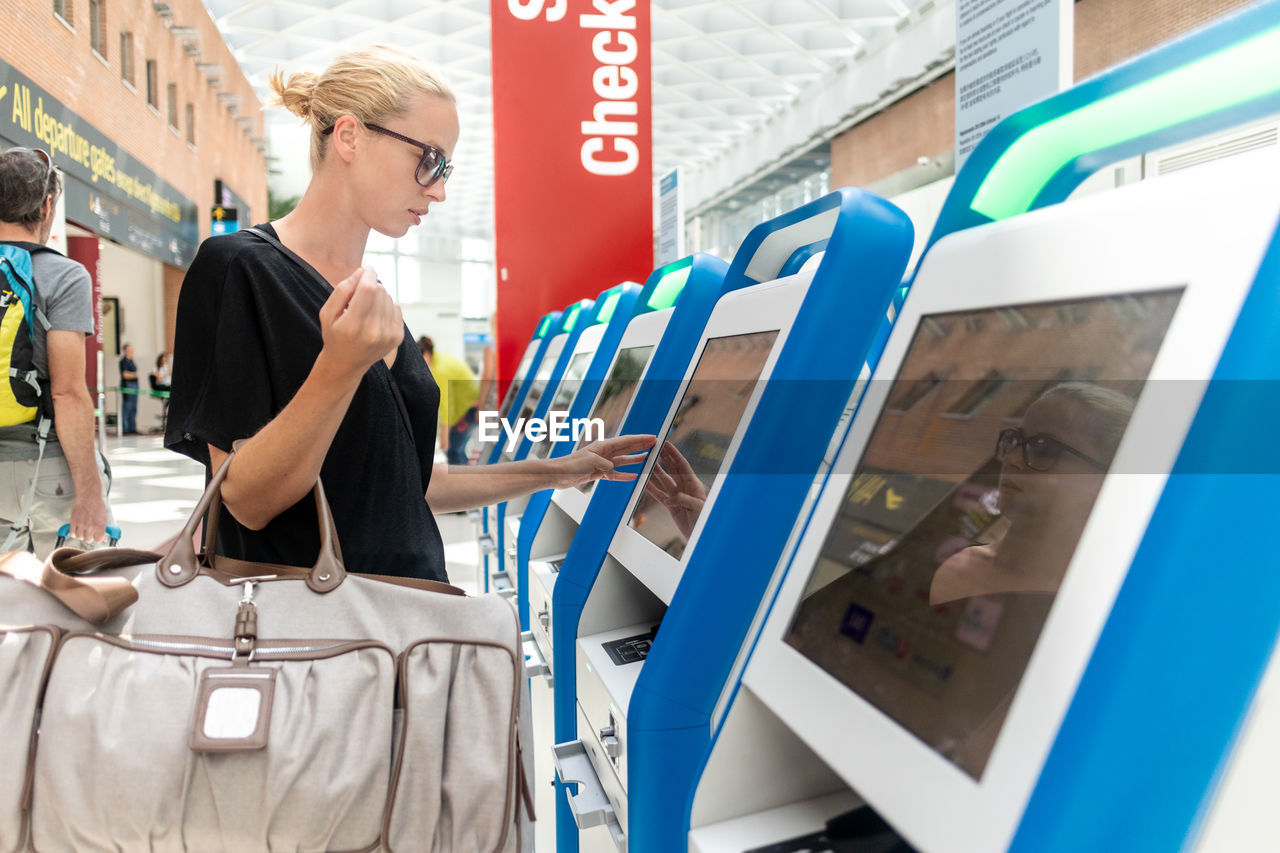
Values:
[(85, 250), (573, 160)]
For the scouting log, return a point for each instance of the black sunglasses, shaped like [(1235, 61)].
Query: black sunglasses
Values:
[(1039, 452), (431, 168)]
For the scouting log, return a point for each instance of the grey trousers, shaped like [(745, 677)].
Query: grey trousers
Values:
[(51, 508)]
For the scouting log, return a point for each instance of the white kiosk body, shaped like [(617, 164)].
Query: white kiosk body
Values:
[(936, 617)]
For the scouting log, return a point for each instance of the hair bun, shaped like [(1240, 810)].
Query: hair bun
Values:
[(296, 94)]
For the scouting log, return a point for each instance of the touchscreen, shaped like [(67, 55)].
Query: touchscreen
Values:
[(521, 372), (695, 444), (536, 388), (615, 396), (568, 389), (966, 507)]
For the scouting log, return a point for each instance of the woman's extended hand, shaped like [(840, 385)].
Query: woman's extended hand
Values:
[(601, 459), (359, 322)]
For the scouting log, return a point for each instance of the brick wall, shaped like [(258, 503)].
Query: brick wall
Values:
[(923, 125), (172, 286), (59, 58)]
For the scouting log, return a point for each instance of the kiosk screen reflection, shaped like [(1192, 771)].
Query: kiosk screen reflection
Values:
[(699, 435), (615, 396), (964, 511)]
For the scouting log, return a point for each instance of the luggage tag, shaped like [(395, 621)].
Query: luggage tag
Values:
[(233, 703), (233, 709)]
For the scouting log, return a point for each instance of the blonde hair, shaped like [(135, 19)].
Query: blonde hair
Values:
[(1109, 410), (370, 83)]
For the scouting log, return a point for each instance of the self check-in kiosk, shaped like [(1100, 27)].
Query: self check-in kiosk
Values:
[(552, 364), (667, 320), (481, 519), (564, 408), (636, 323), (1033, 607), (584, 336), (816, 324)]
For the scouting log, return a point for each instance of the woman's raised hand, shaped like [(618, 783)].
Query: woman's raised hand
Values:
[(359, 322), (600, 460)]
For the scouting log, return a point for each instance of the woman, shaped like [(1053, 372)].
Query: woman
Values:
[(1052, 468), (162, 376), (311, 362)]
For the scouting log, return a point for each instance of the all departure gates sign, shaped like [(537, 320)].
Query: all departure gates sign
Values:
[(573, 170)]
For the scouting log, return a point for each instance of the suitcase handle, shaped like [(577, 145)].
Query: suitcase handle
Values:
[(113, 535), (181, 565)]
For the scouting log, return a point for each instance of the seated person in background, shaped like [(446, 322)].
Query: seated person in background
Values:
[(160, 376), (1052, 468)]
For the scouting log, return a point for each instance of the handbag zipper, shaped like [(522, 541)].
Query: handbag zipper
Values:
[(199, 647)]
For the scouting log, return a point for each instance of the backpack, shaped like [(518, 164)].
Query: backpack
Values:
[(22, 398)]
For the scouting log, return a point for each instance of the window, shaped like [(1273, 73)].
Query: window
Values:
[(173, 105), (976, 396), (153, 85), (126, 57), (1073, 315), (907, 394), (62, 8), (98, 27), (191, 123)]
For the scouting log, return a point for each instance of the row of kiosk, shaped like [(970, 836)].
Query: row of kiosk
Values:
[(974, 559)]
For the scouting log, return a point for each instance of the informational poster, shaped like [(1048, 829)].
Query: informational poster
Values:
[(573, 162), (1009, 54), (670, 219), (106, 189)]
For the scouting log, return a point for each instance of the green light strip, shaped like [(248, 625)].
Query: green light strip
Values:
[(542, 329), (609, 304), (573, 317), (1232, 76), (669, 287)]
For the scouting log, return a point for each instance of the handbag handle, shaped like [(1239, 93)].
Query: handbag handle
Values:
[(181, 565), (93, 599)]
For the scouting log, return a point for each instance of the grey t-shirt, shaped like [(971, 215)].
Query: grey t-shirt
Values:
[(64, 293)]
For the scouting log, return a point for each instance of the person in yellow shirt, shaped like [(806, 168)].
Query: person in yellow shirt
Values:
[(459, 391)]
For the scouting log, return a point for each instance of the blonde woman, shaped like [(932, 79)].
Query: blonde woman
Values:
[(284, 340)]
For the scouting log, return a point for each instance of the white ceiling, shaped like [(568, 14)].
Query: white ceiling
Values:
[(721, 70)]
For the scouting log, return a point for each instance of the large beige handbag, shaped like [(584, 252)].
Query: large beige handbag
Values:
[(189, 702)]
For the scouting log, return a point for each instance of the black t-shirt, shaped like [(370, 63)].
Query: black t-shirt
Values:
[(248, 334), (127, 365)]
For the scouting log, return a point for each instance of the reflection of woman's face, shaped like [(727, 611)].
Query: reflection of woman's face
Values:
[(1063, 496)]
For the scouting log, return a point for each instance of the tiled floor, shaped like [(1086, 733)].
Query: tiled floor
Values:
[(154, 491)]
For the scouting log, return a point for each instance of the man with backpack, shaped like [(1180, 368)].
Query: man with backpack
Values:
[(49, 475)]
